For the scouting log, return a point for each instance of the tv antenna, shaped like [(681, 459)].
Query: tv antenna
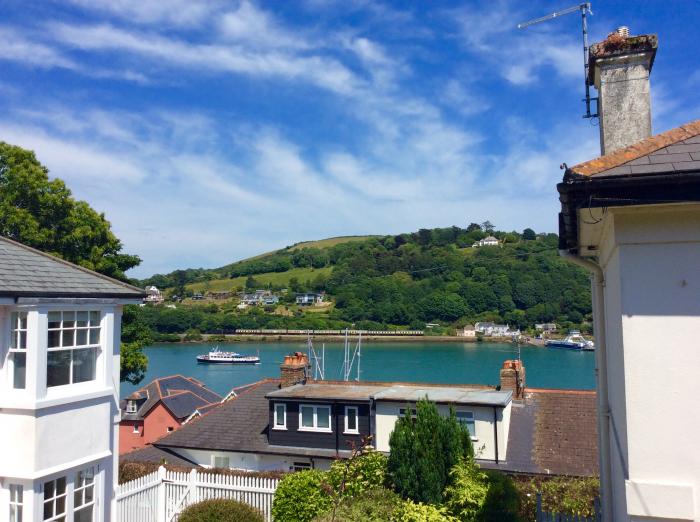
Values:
[(584, 8)]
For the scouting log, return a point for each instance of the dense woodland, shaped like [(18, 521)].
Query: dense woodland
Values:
[(407, 280)]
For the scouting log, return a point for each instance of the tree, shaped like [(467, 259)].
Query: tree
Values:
[(473, 226), (41, 213), (487, 227), (424, 450), (529, 234)]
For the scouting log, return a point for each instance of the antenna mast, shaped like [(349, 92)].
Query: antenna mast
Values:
[(584, 8), (319, 367)]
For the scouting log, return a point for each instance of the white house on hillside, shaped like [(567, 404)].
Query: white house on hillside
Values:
[(487, 241), (632, 218), (59, 398)]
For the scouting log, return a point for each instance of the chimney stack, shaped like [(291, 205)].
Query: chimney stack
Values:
[(513, 378), (619, 67), (294, 369)]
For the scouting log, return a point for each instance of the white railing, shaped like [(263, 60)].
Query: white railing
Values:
[(162, 495)]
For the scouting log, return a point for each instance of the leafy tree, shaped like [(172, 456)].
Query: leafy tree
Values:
[(422, 452), (529, 234), (40, 212), (301, 497), (473, 226), (136, 334), (487, 227)]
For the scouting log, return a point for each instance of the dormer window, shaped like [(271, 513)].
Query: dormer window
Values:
[(18, 349), (131, 406), (73, 344)]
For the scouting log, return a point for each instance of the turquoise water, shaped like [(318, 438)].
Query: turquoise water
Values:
[(448, 363)]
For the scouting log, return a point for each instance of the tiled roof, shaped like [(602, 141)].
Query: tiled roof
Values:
[(157, 455), (237, 424), (181, 395), (552, 432), (676, 150), (25, 271)]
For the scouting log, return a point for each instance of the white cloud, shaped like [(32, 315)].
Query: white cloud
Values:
[(172, 12), (15, 47), (258, 28)]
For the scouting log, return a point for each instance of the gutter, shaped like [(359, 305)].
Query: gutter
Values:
[(597, 287)]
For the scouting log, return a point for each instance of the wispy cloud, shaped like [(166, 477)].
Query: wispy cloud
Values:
[(172, 12), (17, 48)]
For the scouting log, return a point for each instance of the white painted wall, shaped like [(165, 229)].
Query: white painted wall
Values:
[(51, 432), (387, 413), (251, 461), (651, 261)]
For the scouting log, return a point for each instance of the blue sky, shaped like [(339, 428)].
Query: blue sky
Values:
[(211, 131)]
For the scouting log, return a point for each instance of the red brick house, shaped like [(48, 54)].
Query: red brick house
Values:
[(160, 408)]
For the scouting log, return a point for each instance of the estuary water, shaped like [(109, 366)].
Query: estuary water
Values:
[(434, 362)]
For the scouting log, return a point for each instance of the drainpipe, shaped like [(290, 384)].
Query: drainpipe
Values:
[(597, 286), (495, 432)]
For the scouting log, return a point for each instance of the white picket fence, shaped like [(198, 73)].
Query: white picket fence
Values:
[(162, 495)]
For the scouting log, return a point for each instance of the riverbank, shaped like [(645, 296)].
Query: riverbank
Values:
[(296, 338)]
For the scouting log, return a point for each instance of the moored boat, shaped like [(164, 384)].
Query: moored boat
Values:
[(216, 356), (573, 341)]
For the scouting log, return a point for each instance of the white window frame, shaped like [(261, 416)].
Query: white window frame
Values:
[(136, 428), (355, 431), (18, 344), (72, 348), (131, 406), (226, 459), (301, 466), (63, 514), (16, 502), (473, 421), (414, 413), (315, 427), (81, 488), (275, 424)]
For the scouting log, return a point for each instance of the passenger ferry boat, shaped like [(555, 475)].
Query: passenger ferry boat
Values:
[(216, 356), (573, 341)]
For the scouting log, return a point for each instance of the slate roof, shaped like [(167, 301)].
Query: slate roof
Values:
[(157, 455), (181, 395), (552, 432), (27, 272), (677, 150)]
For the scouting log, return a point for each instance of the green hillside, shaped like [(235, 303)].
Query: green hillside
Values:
[(327, 243), (274, 279)]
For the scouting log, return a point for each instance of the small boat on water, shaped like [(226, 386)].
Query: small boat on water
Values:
[(573, 341), (216, 356)]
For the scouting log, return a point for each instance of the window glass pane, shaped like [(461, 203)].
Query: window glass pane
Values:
[(81, 337), (48, 489), (19, 363), (307, 416), (88, 494), (60, 504), (323, 417), (48, 509), (83, 514), (22, 340), (13, 339), (82, 318), (54, 319), (14, 320), (15, 513), (352, 419), (68, 319), (61, 486), (23, 321), (78, 497), (68, 338), (94, 336), (94, 318), (58, 368), (280, 414), (54, 338), (84, 365)]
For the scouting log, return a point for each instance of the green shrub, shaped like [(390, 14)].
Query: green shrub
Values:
[(373, 505), (466, 496), (220, 510), (424, 450), (502, 503), (364, 472), (193, 335), (300, 497), (409, 511), (570, 495)]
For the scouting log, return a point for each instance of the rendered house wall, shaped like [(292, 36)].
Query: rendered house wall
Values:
[(154, 426), (651, 260), (251, 461)]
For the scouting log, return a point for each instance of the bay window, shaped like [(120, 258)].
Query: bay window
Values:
[(314, 418), (18, 348), (84, 495), (73, 344), (55, 500)]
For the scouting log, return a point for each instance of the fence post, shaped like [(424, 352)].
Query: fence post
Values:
[(160, 495), (194, 493)]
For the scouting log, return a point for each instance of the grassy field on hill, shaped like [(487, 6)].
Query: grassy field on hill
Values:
[(274, 278), (327, 243)]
